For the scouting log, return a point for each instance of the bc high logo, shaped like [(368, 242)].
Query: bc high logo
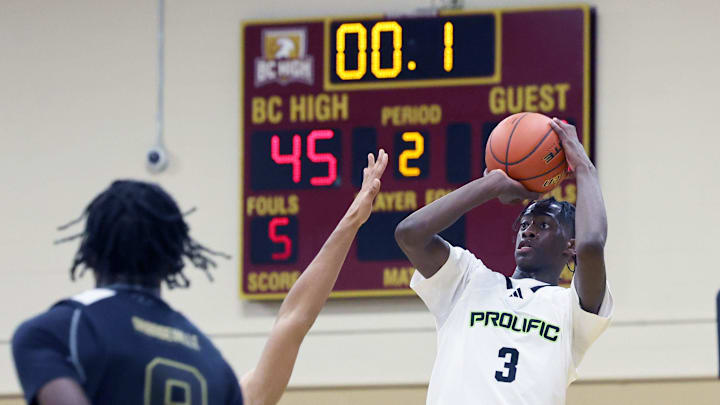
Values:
[(284, 58)]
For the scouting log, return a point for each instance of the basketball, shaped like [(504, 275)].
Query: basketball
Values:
[(525, 147)]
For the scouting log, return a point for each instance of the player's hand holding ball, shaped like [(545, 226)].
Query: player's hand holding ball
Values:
[(509, 190), (527, 148), (574, 150), (361, 207)]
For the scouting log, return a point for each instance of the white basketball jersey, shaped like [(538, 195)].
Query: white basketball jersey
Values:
[(504, 341)]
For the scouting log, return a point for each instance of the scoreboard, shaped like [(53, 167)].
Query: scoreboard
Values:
[(319, 95)]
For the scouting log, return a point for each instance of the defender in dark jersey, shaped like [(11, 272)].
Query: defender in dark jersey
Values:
[(120, 343)]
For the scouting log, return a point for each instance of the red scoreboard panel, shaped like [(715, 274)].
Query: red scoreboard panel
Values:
[(318, 95)]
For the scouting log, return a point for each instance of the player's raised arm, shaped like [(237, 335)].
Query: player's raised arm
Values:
[(266, 383), (417, 235), (590, 221)]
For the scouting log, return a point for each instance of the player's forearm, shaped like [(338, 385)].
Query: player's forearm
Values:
[(418, 229), (590, 235), (590, 216), (309, 293)]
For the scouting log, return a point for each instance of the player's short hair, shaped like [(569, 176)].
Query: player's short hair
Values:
[(566, 217), (135, 230)]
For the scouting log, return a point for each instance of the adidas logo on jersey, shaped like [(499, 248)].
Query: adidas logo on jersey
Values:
[(517, 294)]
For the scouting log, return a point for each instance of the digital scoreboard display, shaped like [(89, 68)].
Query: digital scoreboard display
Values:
[(413, 51), (319, 95)]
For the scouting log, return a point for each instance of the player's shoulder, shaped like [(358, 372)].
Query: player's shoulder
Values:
[(53, 322), (474, 261), (558, 293), (57, 319), (550, 296), (478, 274), (463, 258)]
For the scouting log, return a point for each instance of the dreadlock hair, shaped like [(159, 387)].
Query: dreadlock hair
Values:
[(566, 216), (136, 231)]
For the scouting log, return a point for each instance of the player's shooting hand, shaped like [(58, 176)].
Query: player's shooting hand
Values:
[(361, 207), (509, 190), (574, 150)]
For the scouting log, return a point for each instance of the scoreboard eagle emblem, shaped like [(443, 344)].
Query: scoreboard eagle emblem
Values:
[(284, 58)]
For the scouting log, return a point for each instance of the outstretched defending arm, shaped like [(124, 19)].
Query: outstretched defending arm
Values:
[(266, 383), (417, 235), (590, 221)]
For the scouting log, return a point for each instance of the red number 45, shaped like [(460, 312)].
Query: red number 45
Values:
[(294, 157)]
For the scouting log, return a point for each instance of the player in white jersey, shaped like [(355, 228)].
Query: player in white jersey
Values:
[(515, 340)]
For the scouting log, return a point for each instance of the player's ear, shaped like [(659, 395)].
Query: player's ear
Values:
[(570, 249)]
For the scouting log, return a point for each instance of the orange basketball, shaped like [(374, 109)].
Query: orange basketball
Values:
[(525, 147)]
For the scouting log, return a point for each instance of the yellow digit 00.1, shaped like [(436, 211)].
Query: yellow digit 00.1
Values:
[(341, 34), (396, 29), (415, 153), (448, 55)]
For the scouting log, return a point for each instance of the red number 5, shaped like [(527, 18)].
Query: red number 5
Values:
[(322, 157), (281, 239)]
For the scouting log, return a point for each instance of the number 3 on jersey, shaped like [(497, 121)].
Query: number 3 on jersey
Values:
[(510, 366)]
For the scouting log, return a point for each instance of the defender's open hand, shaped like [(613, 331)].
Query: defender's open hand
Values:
[(574, 150), (361, 207)]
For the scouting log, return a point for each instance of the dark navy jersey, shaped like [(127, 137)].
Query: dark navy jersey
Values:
[(123, 346)]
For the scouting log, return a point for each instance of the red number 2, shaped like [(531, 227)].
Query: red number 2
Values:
[(293, 158), (322, 157), (281, 239)]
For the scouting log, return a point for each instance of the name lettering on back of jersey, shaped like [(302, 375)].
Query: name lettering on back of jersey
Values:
[(515, 323), (166, 333)]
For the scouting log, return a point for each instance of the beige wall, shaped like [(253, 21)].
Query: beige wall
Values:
[(77, 96)]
